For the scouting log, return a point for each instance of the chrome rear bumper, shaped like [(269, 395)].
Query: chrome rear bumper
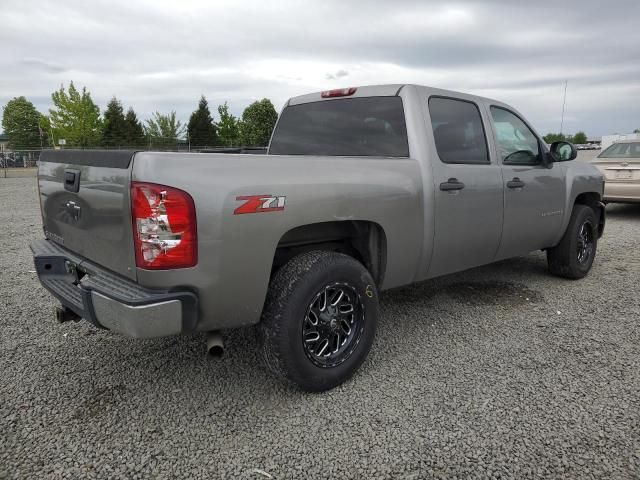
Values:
[(110, 301)]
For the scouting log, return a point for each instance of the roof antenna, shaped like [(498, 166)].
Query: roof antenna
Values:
[(564, 100)]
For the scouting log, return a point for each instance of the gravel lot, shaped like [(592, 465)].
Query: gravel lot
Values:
[(502, 371)]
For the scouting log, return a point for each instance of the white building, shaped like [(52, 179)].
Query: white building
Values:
[(609, 139)]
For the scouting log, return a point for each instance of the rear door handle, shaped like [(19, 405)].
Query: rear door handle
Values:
[(451, 184), (515, 183)]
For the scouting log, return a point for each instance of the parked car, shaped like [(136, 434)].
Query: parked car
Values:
[(361, 190), (620, 165)]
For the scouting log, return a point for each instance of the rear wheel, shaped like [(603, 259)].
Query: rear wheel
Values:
[(574, 255), (319, 320)]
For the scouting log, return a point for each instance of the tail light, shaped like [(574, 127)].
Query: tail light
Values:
[(164, 227), (338, 92)]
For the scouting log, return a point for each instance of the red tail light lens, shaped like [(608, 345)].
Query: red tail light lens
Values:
[(164, 227), (338, 92)]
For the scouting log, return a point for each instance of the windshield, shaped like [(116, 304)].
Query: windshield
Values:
[(622, 150), (368, 126)]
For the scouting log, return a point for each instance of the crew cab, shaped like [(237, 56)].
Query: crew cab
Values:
[(361, 189)]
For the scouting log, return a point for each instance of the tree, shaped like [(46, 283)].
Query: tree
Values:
[(134, 133), (579, 138), (47, 132), (114, 133), (258, 120), (201, 129), (554, 137), (21, 123), (637, 130), (75, 117), (228, 128), (164, 130)]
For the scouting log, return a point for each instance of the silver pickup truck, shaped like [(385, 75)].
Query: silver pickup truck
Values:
[(362, 189)]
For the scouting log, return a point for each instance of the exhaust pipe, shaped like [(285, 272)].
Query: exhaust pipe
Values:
[(64, 314), (215, 345)]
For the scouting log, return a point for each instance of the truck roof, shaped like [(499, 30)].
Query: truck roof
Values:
[(388, 90)]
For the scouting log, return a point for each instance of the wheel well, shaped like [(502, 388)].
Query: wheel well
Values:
[(593, 200), (362, 240)]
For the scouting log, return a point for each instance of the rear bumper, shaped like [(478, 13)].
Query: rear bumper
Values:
[(110, 301), (621, 192)]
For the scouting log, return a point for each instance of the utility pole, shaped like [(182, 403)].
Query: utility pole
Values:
[(564, 101)]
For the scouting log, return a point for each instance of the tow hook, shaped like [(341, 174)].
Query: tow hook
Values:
[(64, 314)]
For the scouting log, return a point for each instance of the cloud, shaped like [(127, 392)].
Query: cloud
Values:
[(339, 74), (162, 55), (36, 64)]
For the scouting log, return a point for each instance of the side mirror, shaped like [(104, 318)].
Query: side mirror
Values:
[(563, 151)]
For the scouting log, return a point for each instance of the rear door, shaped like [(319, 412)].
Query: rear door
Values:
[(467, 186), (85, 203), (534, 195)]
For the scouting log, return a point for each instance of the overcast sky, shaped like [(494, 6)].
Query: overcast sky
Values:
[(162, 55)]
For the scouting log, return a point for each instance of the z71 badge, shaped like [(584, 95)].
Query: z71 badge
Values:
[(259, 204)]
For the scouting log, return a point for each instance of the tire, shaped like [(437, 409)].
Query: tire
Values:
[(569, 259), (295, 298)]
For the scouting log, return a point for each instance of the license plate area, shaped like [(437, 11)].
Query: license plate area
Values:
[(623, 175)]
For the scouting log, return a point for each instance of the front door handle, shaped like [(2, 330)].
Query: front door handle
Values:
[(515, 183), (451, 184)]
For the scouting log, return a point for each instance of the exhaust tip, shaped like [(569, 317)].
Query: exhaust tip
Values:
[(64, 314), (215, 345), (216, 351)]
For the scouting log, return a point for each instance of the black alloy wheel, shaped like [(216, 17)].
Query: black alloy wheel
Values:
[(332, 325), (585, 242)]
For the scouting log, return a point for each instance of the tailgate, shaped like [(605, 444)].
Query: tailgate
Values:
[(85, 203)]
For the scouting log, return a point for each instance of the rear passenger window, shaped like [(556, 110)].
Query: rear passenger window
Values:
[(458, 131)]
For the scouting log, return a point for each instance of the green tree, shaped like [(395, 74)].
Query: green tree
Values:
[(228, 128), (47, 132), (134, 133), (258, 120), (637, 130), (21, 123), (201, 129), (164, 130), (114, 132), (579, 138), (554, 137), (75, 118)]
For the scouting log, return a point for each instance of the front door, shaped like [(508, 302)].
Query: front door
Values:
[(468, 188), (534, 195)]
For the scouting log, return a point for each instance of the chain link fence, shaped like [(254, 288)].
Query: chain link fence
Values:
[(19, 163)]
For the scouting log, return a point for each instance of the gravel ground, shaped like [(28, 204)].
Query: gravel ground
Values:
[(501, 371)]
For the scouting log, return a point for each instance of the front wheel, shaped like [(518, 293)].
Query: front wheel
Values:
[(319, 319), (574, 255)]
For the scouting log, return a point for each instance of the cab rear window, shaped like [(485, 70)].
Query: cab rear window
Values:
[(366, 127)]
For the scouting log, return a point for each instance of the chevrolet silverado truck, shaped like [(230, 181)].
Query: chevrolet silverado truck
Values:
[(361, 190)]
